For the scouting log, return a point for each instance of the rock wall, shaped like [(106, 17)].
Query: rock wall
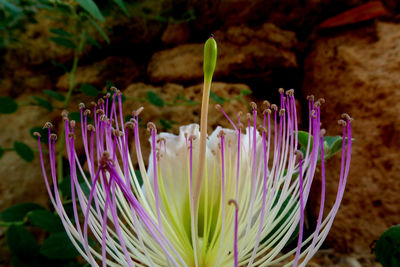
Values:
[(357, 71)]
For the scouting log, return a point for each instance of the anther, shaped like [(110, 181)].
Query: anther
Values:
[(313, 114), (64, 113), (347, 117), (113, 88), (94, 104), (321, 100), (192, 137), (48, 125), (72, 123), (138, 111), (262, 129), (90, 127), (253, 105), (100, 101), (280, 90), (322, 133), (129, 124), (37, 134), (221, 133), (241, 126), (87, 112), (107, 96), (218, 107), (81, 106), (53, 136), (266, 103), (317, 104), (118, 92), (103, 118), (267, 111), (104, 158), (100, 111), (161, 140), (299, 154), (119, 133), (233, 202), (151, 126), (248, 115), (274, 107), (133, 120), (281, 112), (310, 97), (342, 123), (290, 92)]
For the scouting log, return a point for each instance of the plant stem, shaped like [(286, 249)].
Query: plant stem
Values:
[(72, 73)]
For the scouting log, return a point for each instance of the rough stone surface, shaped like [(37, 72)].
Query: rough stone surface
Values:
[(290, 14), (21, 181), (357, 71), (176, 33), (120, 70), (242, 52)]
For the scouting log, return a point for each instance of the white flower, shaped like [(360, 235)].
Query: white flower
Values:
[(236, 197)]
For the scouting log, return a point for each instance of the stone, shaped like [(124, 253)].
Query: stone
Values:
[(357, 72), (121, 71), (176, 33), (21, 181), (299, 15), (243, 52)]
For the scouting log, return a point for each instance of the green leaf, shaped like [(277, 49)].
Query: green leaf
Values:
[(92, 41), (44, 133), (121, 4), (89, 90), (91, 7), (7, 105), (18, 212), (167, 124), (63, 42), (302, 138), (332, 144), (53, 94), (58, 246), (21, 242), (43, 103), (387, 248), (1, 152), (46, 220), (289, 211), (60, 32), (76, 116), (245, 92), (139, 177), (65, 185), (217, 99), (99, 29), (24, 151), (13, 8), (154, 99)]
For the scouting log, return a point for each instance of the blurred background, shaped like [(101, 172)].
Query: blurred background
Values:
[(55, 54)]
